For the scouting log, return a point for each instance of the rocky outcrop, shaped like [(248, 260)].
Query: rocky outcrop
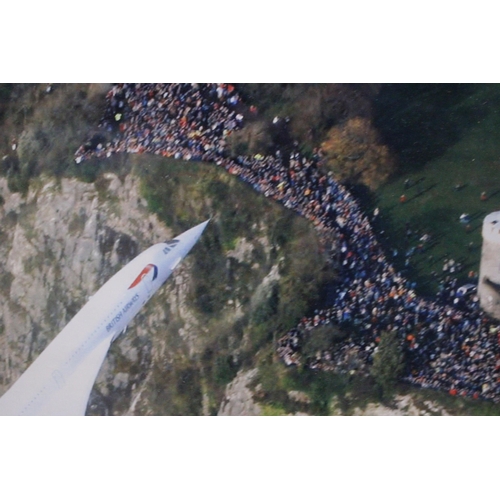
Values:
[(238, 399), (403, 406)]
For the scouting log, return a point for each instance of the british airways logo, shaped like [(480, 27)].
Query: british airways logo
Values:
[(150, 268)]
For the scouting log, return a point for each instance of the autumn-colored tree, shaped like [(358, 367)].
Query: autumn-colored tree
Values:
[(355, 154)]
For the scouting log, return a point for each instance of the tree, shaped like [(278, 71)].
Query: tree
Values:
[(319, 107), (387, 363), (319, 339), (356, 155)]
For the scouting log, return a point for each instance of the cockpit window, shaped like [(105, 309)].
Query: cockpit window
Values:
[(172, 243)]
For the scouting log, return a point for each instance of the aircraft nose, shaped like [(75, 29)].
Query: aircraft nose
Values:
[(198, 230), (195, 232), (188, 239)]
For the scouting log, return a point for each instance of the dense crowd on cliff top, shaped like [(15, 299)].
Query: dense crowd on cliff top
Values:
[(450, 343), (181, 121)]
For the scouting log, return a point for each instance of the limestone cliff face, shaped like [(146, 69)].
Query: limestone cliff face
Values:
[(58, 246)]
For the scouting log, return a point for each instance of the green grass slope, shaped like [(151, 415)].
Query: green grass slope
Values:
[(471, 162)]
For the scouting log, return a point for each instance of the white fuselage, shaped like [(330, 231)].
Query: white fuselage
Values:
[(59, 381)]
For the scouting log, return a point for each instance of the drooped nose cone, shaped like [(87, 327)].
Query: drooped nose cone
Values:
[(188, 239), (196, 231)]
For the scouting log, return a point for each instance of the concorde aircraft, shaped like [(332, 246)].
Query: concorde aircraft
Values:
[(59, 381)]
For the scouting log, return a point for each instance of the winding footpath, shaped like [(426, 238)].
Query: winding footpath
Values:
[(449, 343)]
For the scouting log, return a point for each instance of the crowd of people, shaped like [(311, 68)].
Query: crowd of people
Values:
[(182, 121), (450, 344)]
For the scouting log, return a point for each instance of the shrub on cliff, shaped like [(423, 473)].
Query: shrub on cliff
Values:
[(387, 363)]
